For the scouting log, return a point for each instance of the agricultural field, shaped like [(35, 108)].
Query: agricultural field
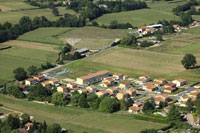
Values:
[(78, 120), (15, 16), (23, 55), (157, 11), (134, 63), (89, 37)]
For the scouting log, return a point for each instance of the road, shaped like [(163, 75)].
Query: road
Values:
[(60, 66)]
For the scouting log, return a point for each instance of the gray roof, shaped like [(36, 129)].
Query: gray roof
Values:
[(82, 50)]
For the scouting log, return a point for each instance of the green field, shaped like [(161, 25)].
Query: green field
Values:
[(22, 57), (157, 11), (89, 37), (45, 35), (78, 120)]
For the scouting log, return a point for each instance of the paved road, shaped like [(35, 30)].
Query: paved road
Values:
[(188, 90), (60, 66)]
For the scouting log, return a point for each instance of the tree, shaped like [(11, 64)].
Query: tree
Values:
[(32, 70), (159, 37), (129, 40), (55, 128), (83, 101), (25, 118), (75, 98), (15, 91), (174, 114), (55, 11), (123, 105), (197, 103), (20, 74), (148, 107), (59, 99), (188, 61), (189, 105), (109, 105)]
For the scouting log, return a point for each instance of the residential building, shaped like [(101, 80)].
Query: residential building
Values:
[(102, 93), (149, 87), (124, 85), (72, 85), (136, 108), (53, 82), (197, 86), (161, 81), (172, 85), (46, 84), (92, 88), (169, 89), (105, 84), (30, 81), (118, 76), (93, 77), (131, 92), (161, 98), (112, 91), (62, 89), (179, 82), (39, 78), (122, 96)]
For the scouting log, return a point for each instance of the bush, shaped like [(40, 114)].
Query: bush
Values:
[(151, 118), (146, 44)]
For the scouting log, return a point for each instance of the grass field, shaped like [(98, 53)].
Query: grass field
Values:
[(45, 35), (78, 120), (157, 11), (19, 56), (135, 63), (15, 16), (90, 37)]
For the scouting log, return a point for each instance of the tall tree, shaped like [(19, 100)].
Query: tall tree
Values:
[(20, 74), (189, 104), (189, 61), (174, 114)]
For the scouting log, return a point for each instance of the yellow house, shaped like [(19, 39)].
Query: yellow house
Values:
[(101, 93), (62, 89), (72, 85), (105, 84), (53, 82), (30, 81), (122, 96), (131, 92), (46, 84), (124, 85)]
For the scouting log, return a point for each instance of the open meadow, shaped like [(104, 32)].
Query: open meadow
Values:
[(89, 37), (157, 11), (23, 55), (78, 120)]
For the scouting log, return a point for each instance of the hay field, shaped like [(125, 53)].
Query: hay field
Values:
[(44, 35), (92, 37), (157, 11), (78, 120)]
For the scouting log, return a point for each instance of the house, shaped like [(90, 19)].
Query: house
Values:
[(82, 50), (124, 85), (62, 89), (149, 87), (118, 76), (161, 98), (105, 84), (145, 30), (177, 27), (169, 89), (179, 82), (39, 77), (28, 125), (161, 81), (102, 93), (53, 82), (172, 85), (46, 84), (23, 87), (74, 89), (143, 79), (30, 81), (84, 91), (93, 77), (136, 108), (112, 91), (111, 80), (92, 88), (122, 96), (125, 77), (131, 92), (197, 86), (72, 85), (194, 93)]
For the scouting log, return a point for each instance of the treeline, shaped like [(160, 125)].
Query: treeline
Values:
[(90, 11), (9, 31), (180, 9), (43, 4), (12, 124)]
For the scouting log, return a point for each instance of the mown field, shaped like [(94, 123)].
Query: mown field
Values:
[(89, 37), (135, 63), (157, 11), (23, 56), (78, 120), (13, 10)]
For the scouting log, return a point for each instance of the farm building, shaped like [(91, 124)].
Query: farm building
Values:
[(93, 77), (82, 51)]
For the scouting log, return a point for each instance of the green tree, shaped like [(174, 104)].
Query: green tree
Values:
[(25, 118), (189, 105), (83, 101), (15, 91), (123, 105), (174, 114), (59, 99), (20, 74), (32, 70), (188, 61), (129, 40), (55, 11), (55, 128), (75, 98), (159, 37), (197, 104), (109, 105), (148, 107)]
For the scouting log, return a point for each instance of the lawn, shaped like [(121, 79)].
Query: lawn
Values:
[(22, 57), (78, 120), (45, 35), (157, 11)]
